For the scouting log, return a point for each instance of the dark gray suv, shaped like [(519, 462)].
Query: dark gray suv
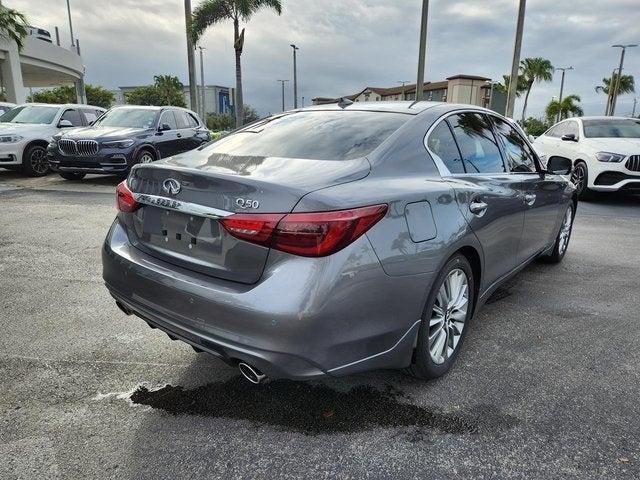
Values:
[(336, 239), (123, 137)]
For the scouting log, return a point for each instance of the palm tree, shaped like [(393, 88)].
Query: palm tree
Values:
[(534, 70), (504, 86), (568, 107), (13, 26), (627, 85), (210, 12)]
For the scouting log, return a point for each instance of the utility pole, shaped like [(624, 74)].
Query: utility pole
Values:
[(193, 96), (403, 83), (282, 82), (614, 99), (610, 92), (70, 24), (422, 50), (564, 69), (295, 77), (203, 105), (515, 62), (635, 103)]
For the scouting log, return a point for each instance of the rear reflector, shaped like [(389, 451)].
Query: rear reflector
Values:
[(124, 198), (316, 234)]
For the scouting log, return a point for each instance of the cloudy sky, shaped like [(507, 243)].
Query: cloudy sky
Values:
[(346, 45)]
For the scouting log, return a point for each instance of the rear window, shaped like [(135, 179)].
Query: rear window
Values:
[(326, 135)]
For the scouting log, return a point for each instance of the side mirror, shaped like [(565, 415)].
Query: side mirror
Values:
[(559, 165), (569, 137), (164, 127), (65, 124)]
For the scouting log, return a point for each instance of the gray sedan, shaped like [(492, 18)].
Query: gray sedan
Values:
[(336, 239)]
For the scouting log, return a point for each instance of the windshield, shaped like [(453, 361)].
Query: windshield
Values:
[(320, 135), (30, 114), (615, 128), (128, 117)]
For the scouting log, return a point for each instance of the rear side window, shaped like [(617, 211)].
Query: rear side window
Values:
[(442, 144), (519, 157), (477, 143), (318, 135), (181, 119), (191, 120)]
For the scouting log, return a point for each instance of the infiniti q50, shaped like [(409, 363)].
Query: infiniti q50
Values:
[(338, 238)]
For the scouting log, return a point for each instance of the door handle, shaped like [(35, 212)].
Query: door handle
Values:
[(530, 199), (478, 207), (179, 135)]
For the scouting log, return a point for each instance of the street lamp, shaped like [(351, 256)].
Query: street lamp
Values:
[(295, 77), (617, 86), (403, 83), (203, 108), (283, 82), (564, 69), (422, 50)]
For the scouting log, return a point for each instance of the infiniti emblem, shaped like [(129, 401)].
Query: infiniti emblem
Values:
[(171, 186)]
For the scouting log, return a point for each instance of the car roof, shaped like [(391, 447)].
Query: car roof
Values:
[(60, 105), (408, 107)]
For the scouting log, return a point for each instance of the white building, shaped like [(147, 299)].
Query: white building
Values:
[(39, 64)]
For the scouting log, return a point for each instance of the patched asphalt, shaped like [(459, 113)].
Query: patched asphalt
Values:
[(547, 385)]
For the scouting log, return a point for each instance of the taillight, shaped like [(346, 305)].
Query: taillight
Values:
[(315, 234), (124, 198)]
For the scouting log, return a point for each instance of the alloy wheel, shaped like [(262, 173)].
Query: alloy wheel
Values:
[(578, 177), (448, 316), (146, 158), (565, 231), (38, 160)]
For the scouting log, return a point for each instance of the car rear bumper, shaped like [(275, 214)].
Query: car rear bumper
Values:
[(305, 317)]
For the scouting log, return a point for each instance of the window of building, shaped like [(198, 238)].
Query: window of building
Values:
[(477, 143), (520, 158)]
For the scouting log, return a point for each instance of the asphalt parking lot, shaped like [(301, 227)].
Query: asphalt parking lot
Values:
[(547, 385)]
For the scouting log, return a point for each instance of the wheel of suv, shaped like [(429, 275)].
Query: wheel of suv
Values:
[(145, 156), (445, 320), (34, 161), (562, 240), (72, 176), (580, 178)]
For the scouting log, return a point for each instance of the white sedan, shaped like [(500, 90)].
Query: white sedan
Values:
[(605, 152)]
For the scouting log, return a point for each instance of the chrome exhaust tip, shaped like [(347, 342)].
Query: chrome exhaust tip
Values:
[(252, 374)]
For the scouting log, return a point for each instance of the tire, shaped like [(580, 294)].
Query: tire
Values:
[(580, 178), (431, 359), (145, 156), (564, 235), (34, 161), (72, 175)]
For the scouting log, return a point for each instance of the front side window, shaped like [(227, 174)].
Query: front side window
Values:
[(519, 157), (72, 116), (128, 117), (90, 115), (169, 118), (571, 129), (316, 135), (30, 114), (477, 143), (607, 128), (442, 144)]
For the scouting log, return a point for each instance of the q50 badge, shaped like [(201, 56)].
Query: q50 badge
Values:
[(247, 203)]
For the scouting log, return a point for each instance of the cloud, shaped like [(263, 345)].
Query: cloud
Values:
[(348, 44)]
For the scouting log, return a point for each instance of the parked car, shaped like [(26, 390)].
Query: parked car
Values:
[(336, 239), (26, 130), (604, 150), (6, 106), (39, 33), (123, 137)]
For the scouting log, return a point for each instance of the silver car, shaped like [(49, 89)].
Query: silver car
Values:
[(338, 238)]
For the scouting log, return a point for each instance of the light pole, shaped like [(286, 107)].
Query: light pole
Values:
[(422, 50), (283, 82), (635, 103), (614, 100), (203, 109), (295, 77), (403, 83), (564, 69), (191, 63), (515, 62), (70, 24)]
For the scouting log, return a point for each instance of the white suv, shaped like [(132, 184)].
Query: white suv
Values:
[(605, 152), (26, 130)]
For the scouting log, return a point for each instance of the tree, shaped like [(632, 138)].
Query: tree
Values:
[(96, 95), (535, 126), (166, 90), (13, 26), (211, 12), (504, 86), (627, 85), (225, 121), (534, 70), (568, 107)]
